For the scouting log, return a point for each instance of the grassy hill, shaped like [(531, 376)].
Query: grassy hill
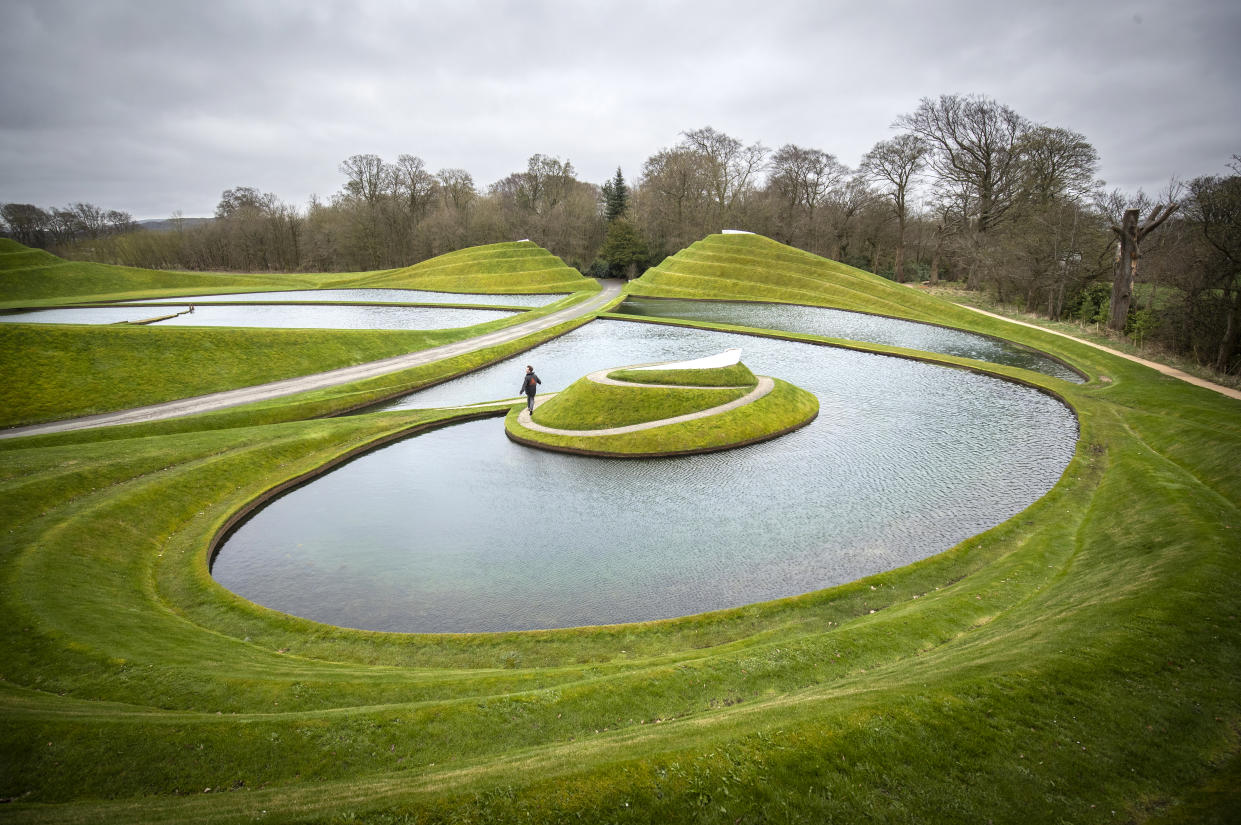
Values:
[(1079, 663), (515, 267), (755, 268), (33, 278)]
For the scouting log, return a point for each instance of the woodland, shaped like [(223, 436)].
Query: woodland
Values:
[(967, 191)]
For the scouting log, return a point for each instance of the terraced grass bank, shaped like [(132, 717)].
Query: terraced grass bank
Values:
[(64, 371), (1081, 659)]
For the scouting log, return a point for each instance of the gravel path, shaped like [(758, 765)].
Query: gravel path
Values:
[(1155, 365)]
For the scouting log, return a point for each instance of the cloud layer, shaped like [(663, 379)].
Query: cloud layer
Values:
[(153, 107)]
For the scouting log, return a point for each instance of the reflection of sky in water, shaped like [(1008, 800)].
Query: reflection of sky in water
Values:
[(398, 296), (854, 326), (293, 317), (462, 530)]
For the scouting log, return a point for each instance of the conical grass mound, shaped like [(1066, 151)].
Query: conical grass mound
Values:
[(664, 409), (747, 267), (513, 267)]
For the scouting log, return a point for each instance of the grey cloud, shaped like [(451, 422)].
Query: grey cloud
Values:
[(156, 106)]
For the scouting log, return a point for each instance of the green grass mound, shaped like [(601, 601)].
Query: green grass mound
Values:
[(35, 278), (586, 405), (686, 411), (756, 268), (738, 375), (514, 267)]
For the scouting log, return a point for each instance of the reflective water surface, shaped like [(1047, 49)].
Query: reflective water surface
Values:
[(854, 326), (293, 317), (397, 296), (462, 530)]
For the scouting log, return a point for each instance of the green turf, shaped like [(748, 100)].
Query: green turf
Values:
[(785, 408), (737, 375), (517, 266), (1080, 659), (34, 278), (64, 371), (587, 405)]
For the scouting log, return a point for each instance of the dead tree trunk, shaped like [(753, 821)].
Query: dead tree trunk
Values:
[(1129, 237), (1228, 345)]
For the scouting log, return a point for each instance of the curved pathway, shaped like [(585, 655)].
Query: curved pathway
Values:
[(1155, 365), (764, 386), (322, 380)]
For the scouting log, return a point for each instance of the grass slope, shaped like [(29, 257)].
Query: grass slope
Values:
[(737, 375), (586, 405), (63, 371), (1081, 659), (785, 408), (756, 268), (34, 278), (514, 267)]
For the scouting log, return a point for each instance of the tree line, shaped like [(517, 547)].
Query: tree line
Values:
[(967, 190)]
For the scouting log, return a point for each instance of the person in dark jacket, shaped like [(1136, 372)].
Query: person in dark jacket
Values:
[(529, 385)]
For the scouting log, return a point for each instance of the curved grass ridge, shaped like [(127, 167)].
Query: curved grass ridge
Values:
[(587, 405), (513, 267), (1084, 653), (619, 413), (771, 409), (737, 375), (32, 278)]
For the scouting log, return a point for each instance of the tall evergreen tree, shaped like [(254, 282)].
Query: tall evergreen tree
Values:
[(615, 197)]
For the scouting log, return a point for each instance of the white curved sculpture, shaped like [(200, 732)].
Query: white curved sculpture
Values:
[(724, 359)]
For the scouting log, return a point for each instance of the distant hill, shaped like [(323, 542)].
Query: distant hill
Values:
[(168, 224)]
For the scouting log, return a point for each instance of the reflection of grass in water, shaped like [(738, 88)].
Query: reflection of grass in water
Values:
[(1083, 653)]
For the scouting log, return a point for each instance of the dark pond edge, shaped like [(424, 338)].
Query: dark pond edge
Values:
[(1085, 378)]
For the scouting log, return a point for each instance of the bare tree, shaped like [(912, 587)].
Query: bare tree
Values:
[(893, 165), (730, 166), (802, 178), (975, 147), (1129, 236), (1214, 204)]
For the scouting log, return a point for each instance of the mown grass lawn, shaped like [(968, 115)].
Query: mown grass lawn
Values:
[(1078, 663)]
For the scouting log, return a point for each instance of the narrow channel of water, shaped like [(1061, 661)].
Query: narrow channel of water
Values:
[(271, 315), (396, 296), (462, 530), (854, 326)]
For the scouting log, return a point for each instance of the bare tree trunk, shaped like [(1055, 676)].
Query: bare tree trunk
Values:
[(1129, 237), (1228, 345), (898, 268), (1126, 269)]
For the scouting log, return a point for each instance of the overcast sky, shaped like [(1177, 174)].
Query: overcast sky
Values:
[(152, 107)]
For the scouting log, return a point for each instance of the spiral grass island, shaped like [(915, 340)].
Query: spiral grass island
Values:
[(665, 409)]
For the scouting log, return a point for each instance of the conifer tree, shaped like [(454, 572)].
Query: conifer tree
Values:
[(615, 197)]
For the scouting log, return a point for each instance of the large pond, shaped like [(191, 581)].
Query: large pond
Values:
[(395, 296), (462, 530), (332, 316), (855, 326)]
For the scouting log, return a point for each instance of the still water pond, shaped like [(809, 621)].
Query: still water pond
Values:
[(289, 317), (394, 296), (462, 530), (854, 326)]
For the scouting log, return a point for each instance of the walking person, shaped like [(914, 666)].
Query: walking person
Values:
[(529, 386)]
